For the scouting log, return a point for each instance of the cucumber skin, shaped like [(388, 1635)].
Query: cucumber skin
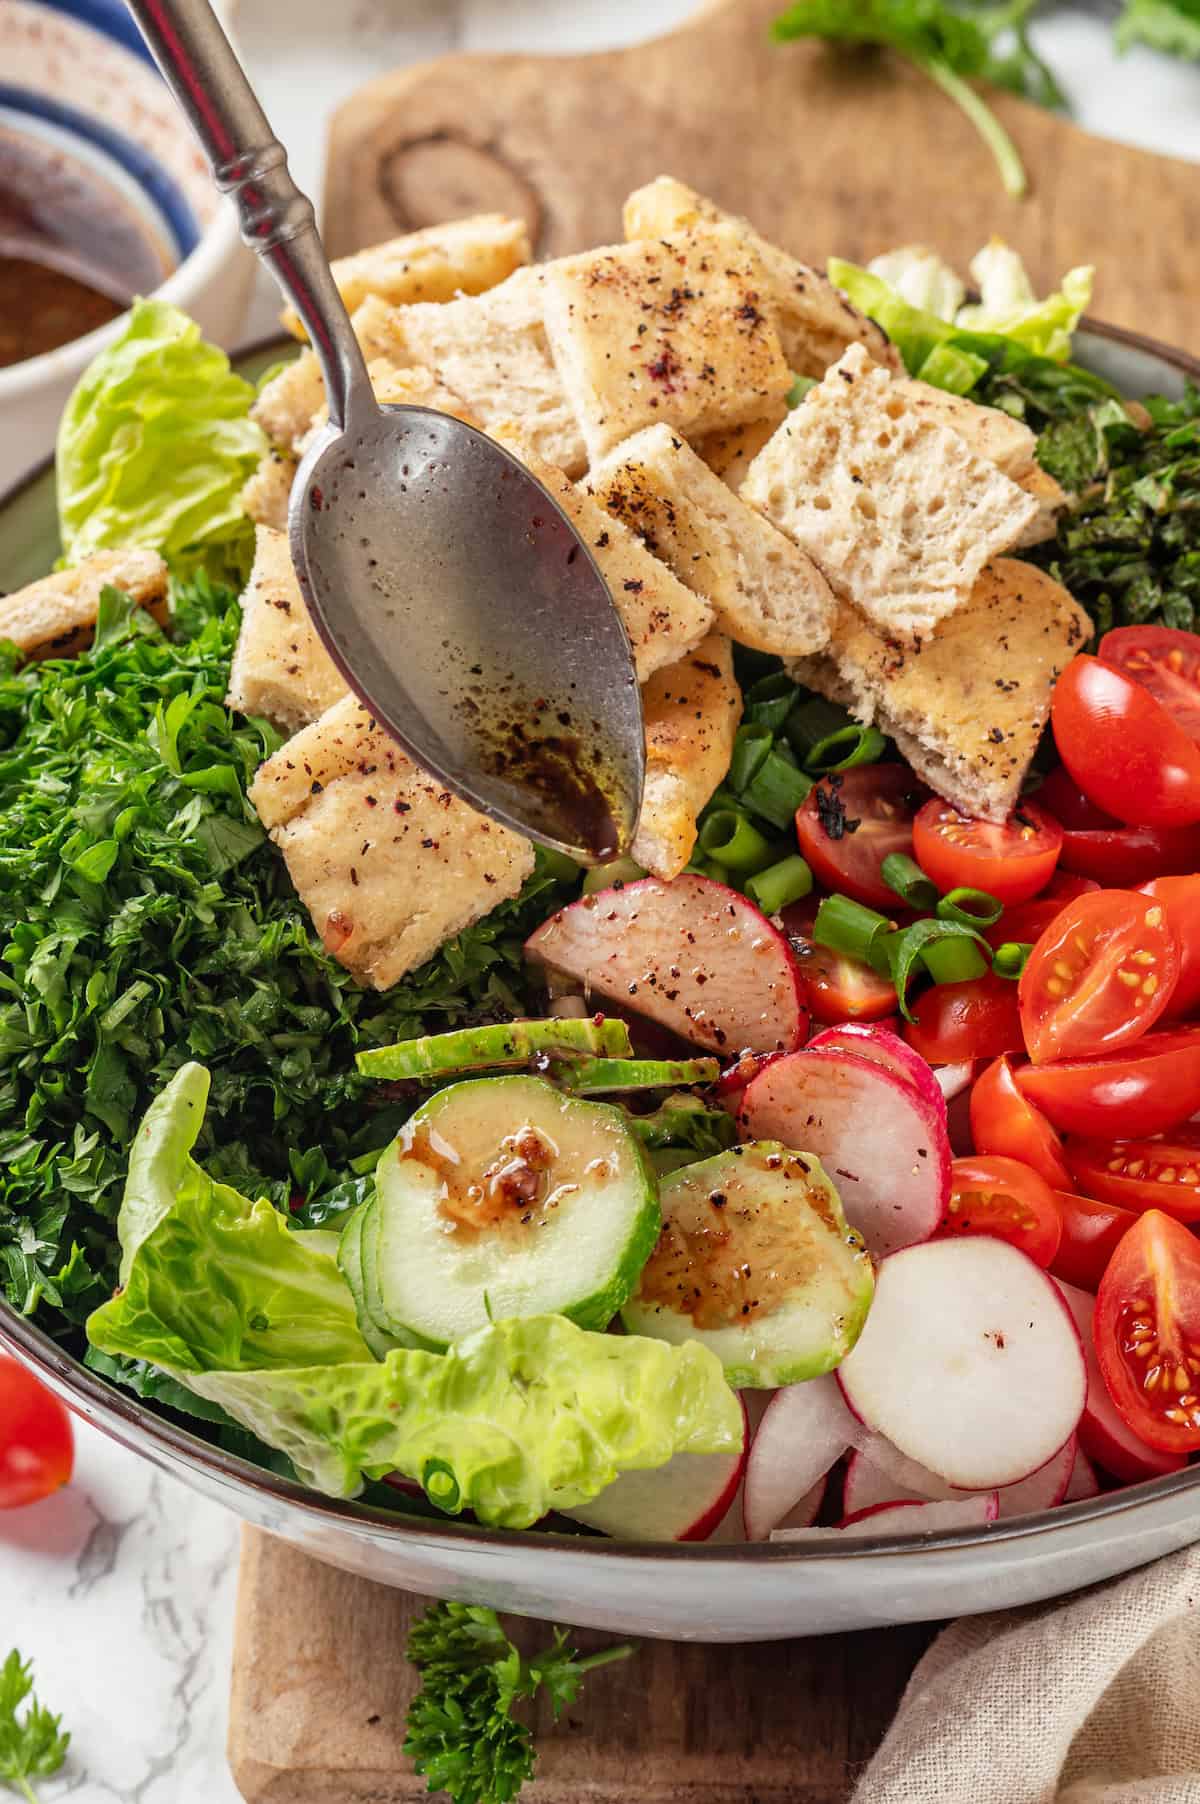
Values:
[(594, 1077), (510, 1044), (771, 1370), (379, 1336), (604, 1304)]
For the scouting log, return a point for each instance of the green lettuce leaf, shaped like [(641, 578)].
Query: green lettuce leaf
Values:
[(1172, 26), (914, 331), (210, 1281), (1009, 307), (922, 279), (522, 1418), (156, 442)]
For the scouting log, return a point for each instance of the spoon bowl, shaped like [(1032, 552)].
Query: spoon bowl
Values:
[(460, 603)]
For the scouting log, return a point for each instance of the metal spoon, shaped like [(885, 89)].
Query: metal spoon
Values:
[(450, 588)]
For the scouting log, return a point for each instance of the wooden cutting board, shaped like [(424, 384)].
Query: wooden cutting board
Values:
[(827, 152), (321, 1690)]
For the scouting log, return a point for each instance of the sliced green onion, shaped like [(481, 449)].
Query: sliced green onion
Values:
[(769, 701), (603, 876), (441, 1486), (848, 927), (911, 945), (905, 876), (734, 842), (708, 867), (1010, 959), (954, 961), (970, 908), (780, 884), (777, 789), (812, 721), (847, 747), (751, 745)]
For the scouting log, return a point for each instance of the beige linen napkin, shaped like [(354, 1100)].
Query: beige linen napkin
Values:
[(1095, 1700)]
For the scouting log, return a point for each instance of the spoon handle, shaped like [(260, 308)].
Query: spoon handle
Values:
[(248, 162)]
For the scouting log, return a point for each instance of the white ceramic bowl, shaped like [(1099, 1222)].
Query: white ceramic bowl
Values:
[(78, 67)]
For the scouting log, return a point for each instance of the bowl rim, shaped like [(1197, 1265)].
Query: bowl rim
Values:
[(124, 1417)]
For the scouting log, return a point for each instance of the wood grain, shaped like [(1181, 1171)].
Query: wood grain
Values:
[(827, 152), (321, 1689)]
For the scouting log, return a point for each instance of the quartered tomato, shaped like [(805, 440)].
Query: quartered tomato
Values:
[(1143, 1174), (1147, 1329), (1005, 1122), (1163, 660), (1117, 856), (849, 823), (1005, 1200), (977, 1019), (1123, 748), (1180, 896), (1090, 1234), (37, 1445), (1012, 862), (1100, 975), (840, 989), (1061, 794), (1144, 1089)]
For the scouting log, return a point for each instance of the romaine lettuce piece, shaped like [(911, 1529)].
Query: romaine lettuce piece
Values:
[(922, 278), (1008, 305), (156, 442), (913, 330), (522, 1418), (211, 1281)]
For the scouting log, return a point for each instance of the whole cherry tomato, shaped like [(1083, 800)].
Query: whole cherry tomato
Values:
[(1091, 1232), (1005, 1122), (37, 1445), (1144, 1089), (976, 1019), (1128, 755), (1164, 660)]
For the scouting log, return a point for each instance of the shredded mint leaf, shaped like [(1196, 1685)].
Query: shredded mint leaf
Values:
[(32, 1743)]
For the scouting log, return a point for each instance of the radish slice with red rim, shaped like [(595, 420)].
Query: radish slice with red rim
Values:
[(1083, 1482), (970, 1362), (693, 955), (882, 1142), (901, 1516), (873, 1472), (805, 1429), (883, 1047)]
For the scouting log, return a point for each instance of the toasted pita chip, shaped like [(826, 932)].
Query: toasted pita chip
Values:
[(56, 616), (388, 863), (266, 494), (691, 711), (280, 667), (289, 401)]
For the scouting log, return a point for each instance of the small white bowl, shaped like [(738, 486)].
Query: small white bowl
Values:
[(77, 66)]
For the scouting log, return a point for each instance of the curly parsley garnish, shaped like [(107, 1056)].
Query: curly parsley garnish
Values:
[(32, 1743)]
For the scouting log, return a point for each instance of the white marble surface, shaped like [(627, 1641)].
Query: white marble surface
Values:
[(121, 1589)]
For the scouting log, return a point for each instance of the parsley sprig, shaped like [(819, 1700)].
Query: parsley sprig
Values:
[(462, 1734), (32, 1743)]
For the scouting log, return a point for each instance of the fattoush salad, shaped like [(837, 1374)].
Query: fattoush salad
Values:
[(828, 1166)]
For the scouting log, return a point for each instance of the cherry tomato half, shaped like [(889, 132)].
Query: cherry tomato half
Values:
[(1180, 896), (1090, 1234), (1012, 862), (1029, 920), (849, 823), (977, 1019), (1006, 1123), (1163, 660), (1142, 1174), (1147, 1328), (1099, 976), (37, 1444), (1061, 794), (838, 989), (1134, 1092), (1117, 856), (1005, 1200), (1125, 751)]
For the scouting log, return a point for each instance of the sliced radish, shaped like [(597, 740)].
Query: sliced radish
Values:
[(868, 1483), (805, 1429), (952, 1080), (969, 1363), (902, 1516), (685, 1500), (1104, 1434), (1043, 1488), (883, 1047), (1083, 1481), (692, 955), (882, 1142)]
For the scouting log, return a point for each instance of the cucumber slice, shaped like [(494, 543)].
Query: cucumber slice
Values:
[(757, 1262), (350, 1262), (502, 1197), (511, 1043), (594, 1077)]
